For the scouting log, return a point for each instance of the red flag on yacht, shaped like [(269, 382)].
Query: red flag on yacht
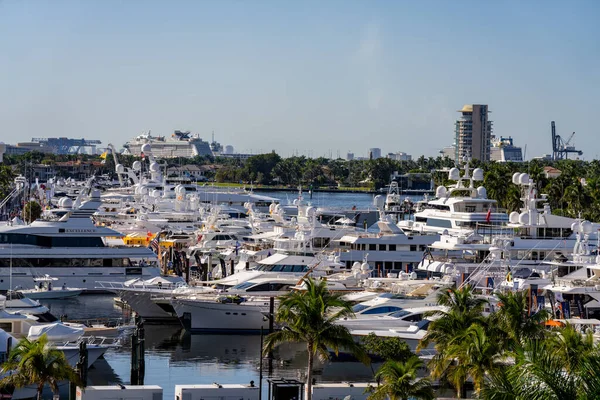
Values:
[(488, 217)]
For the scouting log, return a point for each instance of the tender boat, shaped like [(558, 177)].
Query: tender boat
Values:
[(44, 290)]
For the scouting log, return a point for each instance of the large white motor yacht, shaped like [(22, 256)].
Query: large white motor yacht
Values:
[(71, 249), (457, 209)]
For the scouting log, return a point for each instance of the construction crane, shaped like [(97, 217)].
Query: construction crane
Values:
[(560, 148)]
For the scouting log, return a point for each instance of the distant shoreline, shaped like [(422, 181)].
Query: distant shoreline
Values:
[(279, 189)]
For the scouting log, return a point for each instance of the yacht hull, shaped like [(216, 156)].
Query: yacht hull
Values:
[(79, 277), (52, 294), (141, 302), (204, 316)]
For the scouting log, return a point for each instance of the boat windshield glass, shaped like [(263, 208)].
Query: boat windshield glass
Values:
[(359, 307), (242, 286), (400, 314)]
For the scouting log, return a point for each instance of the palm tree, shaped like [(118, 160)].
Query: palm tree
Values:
[(399, 381), (538, 373), (517, 324), (572, 346), (37, 363), (309, 316), (450, 329), (475, 355)]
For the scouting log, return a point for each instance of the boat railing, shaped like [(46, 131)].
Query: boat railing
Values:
[(138, 285), (594, 283), (94, 341), (101, 341), (105, 322)]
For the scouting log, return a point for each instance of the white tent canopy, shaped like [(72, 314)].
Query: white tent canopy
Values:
[(56, 332)]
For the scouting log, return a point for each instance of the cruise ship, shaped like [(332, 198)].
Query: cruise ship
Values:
[(70, 248), (503, 150), (180, 144)]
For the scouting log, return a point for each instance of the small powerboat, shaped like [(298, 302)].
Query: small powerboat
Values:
[(45, 290)]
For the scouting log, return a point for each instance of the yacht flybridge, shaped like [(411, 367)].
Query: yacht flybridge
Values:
[(458, 208), (71, 249)]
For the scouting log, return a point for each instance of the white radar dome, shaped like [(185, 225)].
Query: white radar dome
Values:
[(515, 178), (154, 167), (514, 217), (311, 212), (155, 193), (587, 227), (137, 166), (146, 148), (523, 218), (524, 179), (365, 267), (482, 192), (356, 265), (65, 202), (477, 174), (441, 191), (120, 168), (454, 174), (378, 201)]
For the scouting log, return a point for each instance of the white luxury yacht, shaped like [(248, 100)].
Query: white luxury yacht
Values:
[(71, 249), (457, 209), (389, 251), (533, 237)]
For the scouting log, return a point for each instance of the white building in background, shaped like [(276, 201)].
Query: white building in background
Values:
[(399, 156), (228, 149), (448, 151), (374, 153), (503, 150), (473, 133), (350, 156)]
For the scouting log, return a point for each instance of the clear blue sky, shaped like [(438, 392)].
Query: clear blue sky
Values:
[(305, 76)]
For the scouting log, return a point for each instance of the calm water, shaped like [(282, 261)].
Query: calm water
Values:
[(175, 357), (331, 200)]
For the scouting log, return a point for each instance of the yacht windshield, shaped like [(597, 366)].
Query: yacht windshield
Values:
[(242, 286), (399, 314), (359, 307)]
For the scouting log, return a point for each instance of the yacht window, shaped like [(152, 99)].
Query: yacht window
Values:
[(413, 247), (414, 318), (372, 246), (359, 307), (382, 247), (381, 310), (441, 223), (6, 326), (392, 247), (243, 285), (400, 314)]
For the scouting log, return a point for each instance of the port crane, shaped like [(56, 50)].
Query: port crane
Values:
[(560, 147)]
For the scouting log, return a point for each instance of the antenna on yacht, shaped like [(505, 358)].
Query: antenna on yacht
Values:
[(10, 273)]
